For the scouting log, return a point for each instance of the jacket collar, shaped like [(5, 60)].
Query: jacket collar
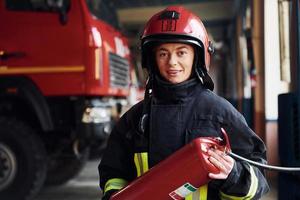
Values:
[(168, 93)]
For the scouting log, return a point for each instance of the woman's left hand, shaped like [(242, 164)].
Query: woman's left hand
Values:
[(222, 161)]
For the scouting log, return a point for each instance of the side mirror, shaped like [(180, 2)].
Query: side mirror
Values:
[(60, 6)]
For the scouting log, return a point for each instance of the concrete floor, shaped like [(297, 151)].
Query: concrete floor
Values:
[(272, 195), (85, 187)]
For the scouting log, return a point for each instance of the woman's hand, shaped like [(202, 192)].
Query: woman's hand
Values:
[(222, 161)]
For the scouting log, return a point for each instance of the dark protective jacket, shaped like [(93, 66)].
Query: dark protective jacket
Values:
[(178, 114)]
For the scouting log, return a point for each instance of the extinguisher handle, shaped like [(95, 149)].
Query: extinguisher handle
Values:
[(226, 141)]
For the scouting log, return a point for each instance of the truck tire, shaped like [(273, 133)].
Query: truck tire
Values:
[(22, 161), (63, 168), (97, 149)]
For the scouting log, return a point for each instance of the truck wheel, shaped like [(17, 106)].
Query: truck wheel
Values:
[(22, 161), (97, 149), (65, 167)]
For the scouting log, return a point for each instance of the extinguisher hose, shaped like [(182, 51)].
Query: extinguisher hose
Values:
[(265, 166)]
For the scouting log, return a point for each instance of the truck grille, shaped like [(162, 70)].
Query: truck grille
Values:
[(119, 71)]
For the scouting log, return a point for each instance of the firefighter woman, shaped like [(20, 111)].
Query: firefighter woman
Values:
[(179, 106)]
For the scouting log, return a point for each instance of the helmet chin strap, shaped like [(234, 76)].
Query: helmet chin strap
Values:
[(146, 105), (199, 71), (205, 79), (200, 75)]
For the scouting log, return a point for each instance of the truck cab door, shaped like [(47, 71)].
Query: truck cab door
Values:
[(38, 43)]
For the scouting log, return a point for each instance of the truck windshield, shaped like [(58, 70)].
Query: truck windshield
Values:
[(104, 10), (36, 5)]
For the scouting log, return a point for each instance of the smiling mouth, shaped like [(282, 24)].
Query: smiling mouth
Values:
[(173, 72)]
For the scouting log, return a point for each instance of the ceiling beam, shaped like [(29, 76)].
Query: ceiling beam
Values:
[(208, 11)]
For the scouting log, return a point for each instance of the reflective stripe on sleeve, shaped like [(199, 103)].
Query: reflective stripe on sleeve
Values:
[(189, 197), (141, 163), (203, 192), (199, 194), (251, 192), (114, 184)]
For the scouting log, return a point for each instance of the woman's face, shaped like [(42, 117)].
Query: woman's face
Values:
[(175, 61)]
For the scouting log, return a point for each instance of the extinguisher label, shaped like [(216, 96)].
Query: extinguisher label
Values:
[(182, 191)]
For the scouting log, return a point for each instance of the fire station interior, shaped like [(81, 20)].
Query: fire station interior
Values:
[(255, 66)]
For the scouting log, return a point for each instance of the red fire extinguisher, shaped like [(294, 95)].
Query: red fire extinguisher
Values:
[(178, 175)]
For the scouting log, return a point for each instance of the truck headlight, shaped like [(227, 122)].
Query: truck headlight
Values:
[(96, 115)]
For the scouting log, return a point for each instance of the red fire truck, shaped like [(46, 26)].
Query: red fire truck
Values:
[(64, 72)]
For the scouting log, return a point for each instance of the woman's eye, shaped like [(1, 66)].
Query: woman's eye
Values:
[(162, 54), (181, 53)]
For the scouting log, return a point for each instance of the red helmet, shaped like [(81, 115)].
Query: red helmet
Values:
[(176, 24)]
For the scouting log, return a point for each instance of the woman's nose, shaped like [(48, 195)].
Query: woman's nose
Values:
[(173, 60)]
